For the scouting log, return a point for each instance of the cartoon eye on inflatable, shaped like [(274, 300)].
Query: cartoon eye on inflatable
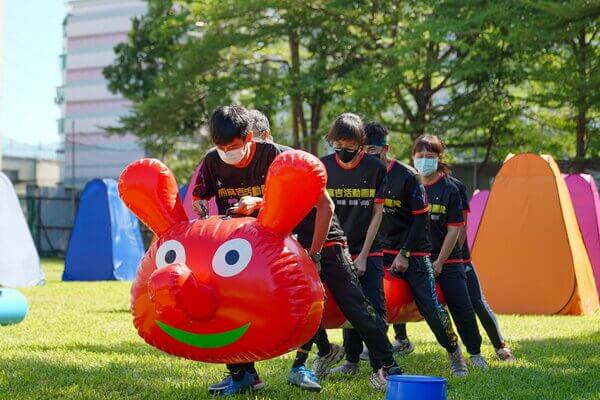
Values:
[(232, 257), (170, 252)]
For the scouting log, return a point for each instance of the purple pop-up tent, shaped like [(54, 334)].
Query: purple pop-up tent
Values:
[(477, 205), (586, 202)]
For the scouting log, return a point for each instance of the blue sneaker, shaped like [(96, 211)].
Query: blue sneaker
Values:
[(218, 387), (237, 387), (304, 379)]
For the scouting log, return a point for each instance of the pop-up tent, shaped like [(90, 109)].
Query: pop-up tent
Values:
[(586, 202), (106, 243), (477, 205), (529, 252), (188, 198), (20, 263)]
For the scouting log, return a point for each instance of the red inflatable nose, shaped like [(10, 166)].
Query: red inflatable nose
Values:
[(176, 292)]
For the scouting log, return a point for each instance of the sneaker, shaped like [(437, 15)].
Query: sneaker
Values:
[(478, 361), (237, 387), (365, 354), (347, 369), (403, 347), (378, 380), (218, 387), (304, 379), (322, 365), (504, 354), (458, 366)]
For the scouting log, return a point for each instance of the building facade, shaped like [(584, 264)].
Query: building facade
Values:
[(92, 28)]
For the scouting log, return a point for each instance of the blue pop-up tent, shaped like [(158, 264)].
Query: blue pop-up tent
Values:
[(106, 243)]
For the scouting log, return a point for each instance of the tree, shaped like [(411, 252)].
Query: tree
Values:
[(487, 76), (565, 69)]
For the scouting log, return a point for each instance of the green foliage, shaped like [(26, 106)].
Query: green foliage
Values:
[(491, 77)]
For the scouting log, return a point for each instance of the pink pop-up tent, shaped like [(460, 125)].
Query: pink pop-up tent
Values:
[(477, 205), (188, 200), (584, 195)]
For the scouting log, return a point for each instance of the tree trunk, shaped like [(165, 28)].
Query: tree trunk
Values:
[(294, 44), (581, 140), (315, 122), (581, 104)]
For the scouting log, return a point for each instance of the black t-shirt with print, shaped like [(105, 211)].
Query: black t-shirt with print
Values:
[(445, 209), (464, 198), (228, 183), (404, 197), (305, 230), (354, 192)]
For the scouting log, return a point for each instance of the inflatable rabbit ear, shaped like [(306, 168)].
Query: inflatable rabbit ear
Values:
[(295, 182), (149, 189)]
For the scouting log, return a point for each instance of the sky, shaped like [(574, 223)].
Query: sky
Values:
[(32, 42)]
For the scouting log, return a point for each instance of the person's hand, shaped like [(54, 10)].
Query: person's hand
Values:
[(201, 208), (400, 264), (437, 267), (248, 205), (360, 263)]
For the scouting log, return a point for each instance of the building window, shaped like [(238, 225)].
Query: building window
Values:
[(62, 60), (64, 24), (61, 125), (60, 95)]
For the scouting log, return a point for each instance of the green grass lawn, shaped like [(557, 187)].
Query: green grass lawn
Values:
[(78, 342)]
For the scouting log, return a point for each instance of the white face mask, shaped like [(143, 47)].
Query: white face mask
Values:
[(233, 157)]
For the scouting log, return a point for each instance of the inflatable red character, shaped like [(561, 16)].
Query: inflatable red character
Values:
[(223, 289)]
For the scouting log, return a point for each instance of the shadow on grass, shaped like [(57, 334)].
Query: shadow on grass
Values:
[(565, 368)]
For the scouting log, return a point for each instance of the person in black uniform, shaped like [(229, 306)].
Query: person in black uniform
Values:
[(445, 221), (234, 172), (355, 182), (336, 272), (406, 244), (482, 309)]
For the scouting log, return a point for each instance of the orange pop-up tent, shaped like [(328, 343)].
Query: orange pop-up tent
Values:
[(529, 252)]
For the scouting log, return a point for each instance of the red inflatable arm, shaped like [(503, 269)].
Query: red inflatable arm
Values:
[(150, 191), (291, 192)]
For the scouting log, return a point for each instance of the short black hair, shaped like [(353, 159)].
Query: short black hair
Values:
[(228, 123), (260, 122), (376, 133), (347, 126)]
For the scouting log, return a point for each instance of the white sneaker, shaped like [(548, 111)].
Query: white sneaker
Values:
[(458, 366), (346, 369), (365, 354), (378, 380), (322, 365), (478, 361), (504, 354), (403, 347)]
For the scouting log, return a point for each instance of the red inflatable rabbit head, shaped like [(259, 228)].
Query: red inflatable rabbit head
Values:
[(221, 289)]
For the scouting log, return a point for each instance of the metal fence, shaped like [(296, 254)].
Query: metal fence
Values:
[(50, 213)]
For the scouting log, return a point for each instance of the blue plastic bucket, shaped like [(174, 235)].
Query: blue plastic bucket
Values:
[(13, 306), (415, 387)]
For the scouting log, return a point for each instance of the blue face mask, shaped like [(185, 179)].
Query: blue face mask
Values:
[(426, 166)]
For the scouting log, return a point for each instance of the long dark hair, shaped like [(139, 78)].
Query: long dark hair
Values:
[(432, 144)]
